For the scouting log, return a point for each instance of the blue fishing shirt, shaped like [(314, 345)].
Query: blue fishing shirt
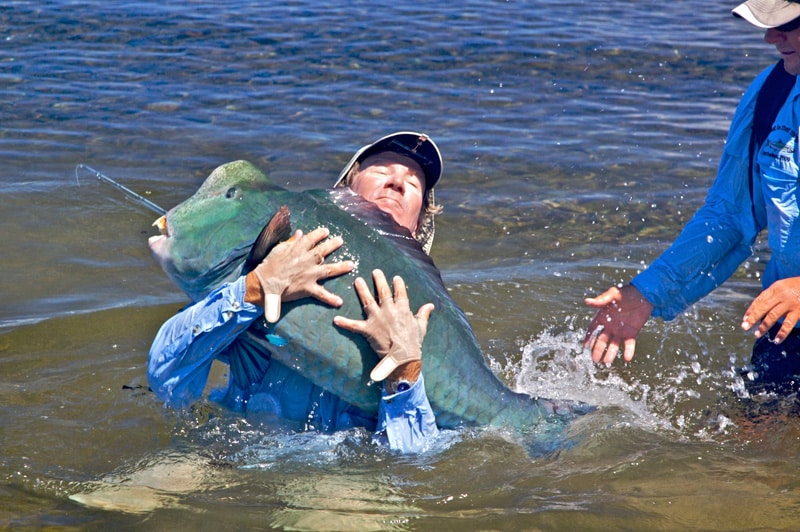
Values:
[(188, 343), (721, 234)]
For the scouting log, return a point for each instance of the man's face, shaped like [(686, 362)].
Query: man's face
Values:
[(395, 183), (788, 45)]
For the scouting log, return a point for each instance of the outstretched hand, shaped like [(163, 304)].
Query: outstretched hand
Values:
[(392, 330), (622, 314), (293, 270), (780, 300)]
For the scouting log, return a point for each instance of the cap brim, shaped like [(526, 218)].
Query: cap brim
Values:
[(767, 14)]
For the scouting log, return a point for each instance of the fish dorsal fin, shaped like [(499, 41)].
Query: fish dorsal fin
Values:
[(278, 229)]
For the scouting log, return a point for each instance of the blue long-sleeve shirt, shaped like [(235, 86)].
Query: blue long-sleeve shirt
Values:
[(188, 343), (721, 234)]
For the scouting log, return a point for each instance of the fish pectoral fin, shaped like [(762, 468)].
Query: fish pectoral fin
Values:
[(248, 362), (278, 229)]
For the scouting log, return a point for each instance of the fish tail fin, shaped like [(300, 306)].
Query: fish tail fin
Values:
[(550, 435), (565, 408), (278, 229)]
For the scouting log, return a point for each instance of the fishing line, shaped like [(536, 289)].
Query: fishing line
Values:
[(133, 195)]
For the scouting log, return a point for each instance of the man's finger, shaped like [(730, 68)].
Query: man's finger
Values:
[(785, 330), (356, 326), (364, 294), (330, 245), (316, 236), (272, 307), (381, 286), (335, 269), (400, 292), (422, 316), (324, 296)]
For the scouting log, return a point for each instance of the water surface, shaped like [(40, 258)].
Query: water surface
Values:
[(578, 138)]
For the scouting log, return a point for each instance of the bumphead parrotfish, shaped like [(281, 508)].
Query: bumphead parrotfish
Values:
[(207, 239)]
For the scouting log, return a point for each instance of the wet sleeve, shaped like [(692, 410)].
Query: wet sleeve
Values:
[(186, 345), (406, 419), (718, 238)]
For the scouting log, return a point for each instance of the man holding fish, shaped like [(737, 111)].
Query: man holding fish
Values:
[(397, 173), (756, 188)]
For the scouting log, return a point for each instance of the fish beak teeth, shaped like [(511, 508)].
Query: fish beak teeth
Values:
[(161, 224)]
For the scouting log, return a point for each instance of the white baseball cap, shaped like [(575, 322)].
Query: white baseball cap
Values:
[(768, 13)]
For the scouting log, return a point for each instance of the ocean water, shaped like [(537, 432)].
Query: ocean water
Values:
[(578, 139)]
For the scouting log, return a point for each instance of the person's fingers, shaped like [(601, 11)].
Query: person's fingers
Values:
[(326, 247), (768, 320), (316, 236), (603, 299), (425, 311), (319, 293), (753, 314), (298, 234), (381, 286), (272, 307), (612, 350), (422, 316), (785, 330), (364, 294), (356, 326), (599, 347), (400, 293), (335, 269), (629, 349), (595, 328)]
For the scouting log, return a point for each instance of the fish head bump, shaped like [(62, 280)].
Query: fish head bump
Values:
[(205, 238)]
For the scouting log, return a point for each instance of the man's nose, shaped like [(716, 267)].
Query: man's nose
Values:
[(772, 35), (395, 181)]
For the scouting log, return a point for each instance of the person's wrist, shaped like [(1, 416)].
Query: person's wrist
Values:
[(403, 377), (409, 372), (252, 286)]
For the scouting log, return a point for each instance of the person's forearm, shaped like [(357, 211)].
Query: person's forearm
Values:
[(186, 345), (700, 260)]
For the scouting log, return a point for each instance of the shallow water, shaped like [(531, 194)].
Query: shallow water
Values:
[(577, 141)]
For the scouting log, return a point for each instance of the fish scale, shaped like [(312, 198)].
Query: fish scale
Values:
[(234, 204)]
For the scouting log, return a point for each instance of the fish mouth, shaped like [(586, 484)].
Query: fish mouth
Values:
[(162, 225), (158, 243)]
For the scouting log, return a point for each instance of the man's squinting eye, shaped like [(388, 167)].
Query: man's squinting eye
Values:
[(378, 170)]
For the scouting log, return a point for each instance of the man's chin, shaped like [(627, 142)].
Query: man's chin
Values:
[(389, 206), (392, 208), (791, 63)]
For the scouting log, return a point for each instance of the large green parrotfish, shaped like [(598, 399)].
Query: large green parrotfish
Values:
[(207, 239)]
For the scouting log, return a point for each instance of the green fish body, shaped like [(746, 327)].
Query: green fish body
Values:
[(208, 239)]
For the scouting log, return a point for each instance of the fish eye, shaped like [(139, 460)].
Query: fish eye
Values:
[(231, 193)]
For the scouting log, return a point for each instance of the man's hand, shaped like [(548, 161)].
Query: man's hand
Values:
[(622, 315), (780, 300), (392, 331), (293, 270)]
